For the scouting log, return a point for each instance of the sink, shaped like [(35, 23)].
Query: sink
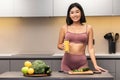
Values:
[(58, 54), (6, 54)]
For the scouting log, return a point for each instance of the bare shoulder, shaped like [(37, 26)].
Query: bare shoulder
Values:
[(89, 27), (64, 28)]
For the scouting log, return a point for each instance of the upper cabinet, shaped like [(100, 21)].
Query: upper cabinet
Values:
[(99, 8), (116, 7), (91, 7), (6, 8), (46, 8), (26, 8), (33, 8)]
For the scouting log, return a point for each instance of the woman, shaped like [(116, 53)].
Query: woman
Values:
[(79, 35)]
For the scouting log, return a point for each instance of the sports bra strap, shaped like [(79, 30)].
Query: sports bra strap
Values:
[(67, 29), (86, 28)]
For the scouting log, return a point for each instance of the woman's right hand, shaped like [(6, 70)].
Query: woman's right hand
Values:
[(61, 46), (64, 47)]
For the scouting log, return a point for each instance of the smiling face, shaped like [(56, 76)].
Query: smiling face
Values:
[(75, 14)]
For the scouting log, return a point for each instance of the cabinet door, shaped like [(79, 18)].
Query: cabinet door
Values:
[(104, 64), (16, 65), (116, 7), (56, 65), (98, 7), (117, 69), (33, 8), (4, 66), (61, 6), (6, 8), (91, 7)]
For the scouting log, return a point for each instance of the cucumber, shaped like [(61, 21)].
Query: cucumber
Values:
[(83, 69), (75, 70)]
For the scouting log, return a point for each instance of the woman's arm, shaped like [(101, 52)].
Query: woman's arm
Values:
[(90, 45), (61, 38), (91, 49)]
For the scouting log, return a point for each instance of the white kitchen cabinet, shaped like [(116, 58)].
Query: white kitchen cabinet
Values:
[(61, 6), (116, 7), (46, 8), (91, 7), (98, 7), (6, 8), (33, 8), (26, 8)]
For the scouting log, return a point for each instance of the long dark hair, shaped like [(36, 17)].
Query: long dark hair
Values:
[(82, 19)]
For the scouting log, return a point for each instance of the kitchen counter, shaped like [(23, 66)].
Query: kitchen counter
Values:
[(14, 62), (56, 76), (53, 56)]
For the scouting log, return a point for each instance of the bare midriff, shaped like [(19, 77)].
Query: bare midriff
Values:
[(77, 48)]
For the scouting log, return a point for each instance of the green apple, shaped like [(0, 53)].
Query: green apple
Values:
[(24, 70)]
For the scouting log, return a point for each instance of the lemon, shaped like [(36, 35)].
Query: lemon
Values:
[(27, 64), (30, 71), (24, 70)]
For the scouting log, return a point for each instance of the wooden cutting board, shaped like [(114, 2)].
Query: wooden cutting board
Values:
[(85, 72)]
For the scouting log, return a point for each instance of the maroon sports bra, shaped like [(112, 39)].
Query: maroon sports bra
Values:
[(77, 37)]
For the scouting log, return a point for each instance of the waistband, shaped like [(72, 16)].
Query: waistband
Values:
[(74, 54)]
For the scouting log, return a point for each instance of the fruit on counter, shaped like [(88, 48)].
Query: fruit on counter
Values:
[(81, 69), (40, 67), (27, 64), (30, 71), (35, 67), (24, 70)]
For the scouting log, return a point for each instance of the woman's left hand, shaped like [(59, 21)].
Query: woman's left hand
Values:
[(98, 68)]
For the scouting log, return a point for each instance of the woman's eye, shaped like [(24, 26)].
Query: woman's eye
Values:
[(77, 11), (71, 12)]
